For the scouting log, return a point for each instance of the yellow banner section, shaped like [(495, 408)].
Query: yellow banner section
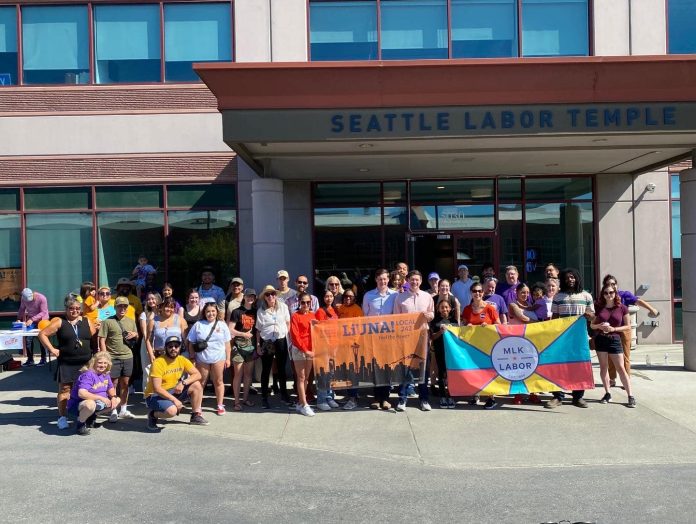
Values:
[(370, 351)]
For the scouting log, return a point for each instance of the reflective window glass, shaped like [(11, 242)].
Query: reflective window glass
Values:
[(555, 28), (484, 28), (67, 237), (466, 217), (195, 33), (394, 192), (423, 217), (563, 234), (123, 237), (129, 197), (452, 191), (332, 257), (414, 29), (10, 263), (8, 46), (678, 322), (343, 30), (57, 198), (509, 236), (395, 216), (509, 188), (681, 20), (674, 183), (198, 238), (127, 43), (548, 188), (336, 194), (9, 199), (55, 45), (210, 195), (348, 217)]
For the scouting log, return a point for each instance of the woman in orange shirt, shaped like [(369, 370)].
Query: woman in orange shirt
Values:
[(301, 350)]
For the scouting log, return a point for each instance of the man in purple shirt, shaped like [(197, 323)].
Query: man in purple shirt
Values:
[(32, 309), (415, 301), (496, 301)]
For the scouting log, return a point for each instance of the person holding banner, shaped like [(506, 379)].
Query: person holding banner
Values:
[(480, 313), (349, 309), (522, 313), (444, 317), (325, 400), (377, 302), (611, 321), (415, 301), (301, 350)]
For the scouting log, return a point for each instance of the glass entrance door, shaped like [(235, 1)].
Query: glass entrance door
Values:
[(443, 253), (474, 251)]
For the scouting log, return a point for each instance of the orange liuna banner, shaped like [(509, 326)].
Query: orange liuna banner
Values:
[(370, 351)]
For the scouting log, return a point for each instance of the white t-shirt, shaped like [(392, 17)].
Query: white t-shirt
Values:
[(273, 325), (215, 351)]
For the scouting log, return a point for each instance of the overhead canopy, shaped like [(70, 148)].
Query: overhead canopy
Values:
[(419, 119)]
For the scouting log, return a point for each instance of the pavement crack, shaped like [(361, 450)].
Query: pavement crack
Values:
[(415, 440)]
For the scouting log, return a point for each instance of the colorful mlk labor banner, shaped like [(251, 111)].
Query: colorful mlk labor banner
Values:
[(509, 360), (370, 351)]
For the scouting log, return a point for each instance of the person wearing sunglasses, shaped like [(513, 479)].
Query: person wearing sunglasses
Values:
[(301, 286), (74, 334), (301, 350), (272, 327), (333, 284), (325, 397), (611, 320)]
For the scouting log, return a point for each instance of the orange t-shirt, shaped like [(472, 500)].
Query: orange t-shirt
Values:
[(488, 315), (301, 330)]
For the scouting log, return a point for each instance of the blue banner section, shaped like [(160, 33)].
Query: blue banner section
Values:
[(571, 346), (463, 355)]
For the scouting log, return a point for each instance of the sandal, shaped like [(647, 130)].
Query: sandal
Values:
[(248, 403), (238, 407)]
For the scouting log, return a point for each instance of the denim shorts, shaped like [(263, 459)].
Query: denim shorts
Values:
[(157, 403), (75, 409)]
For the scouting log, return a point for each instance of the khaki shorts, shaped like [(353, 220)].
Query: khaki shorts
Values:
[(298, 355)]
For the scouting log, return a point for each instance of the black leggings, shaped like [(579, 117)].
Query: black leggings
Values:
[(441, 370), (281, 356)]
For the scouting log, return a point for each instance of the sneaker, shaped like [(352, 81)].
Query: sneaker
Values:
[(534, 399), (490, 403), (81, 428), (113, 417), (443, 403), (553, 403), (220, 410), (28, 364), (385, 405), (352, 404), (401, 406), (152, 421), (474, 400), (323, 406), (631, 402), (451, 404), (198, 420), (375, 405), (41, 362), (92, 421), (265, 404), (62, 422), (606, 398), (307, 411), (517, 400), (331, 402), (425, 405), (125, 415), (580, 403)]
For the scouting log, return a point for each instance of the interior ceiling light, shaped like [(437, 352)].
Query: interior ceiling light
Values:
[(366, 146), (364, 170), (440, 187)]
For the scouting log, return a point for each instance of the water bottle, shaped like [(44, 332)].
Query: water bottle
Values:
[(666, 359), (648, 362)]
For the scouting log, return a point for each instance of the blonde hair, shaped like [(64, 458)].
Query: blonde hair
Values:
[(338, 281), (101, 355)]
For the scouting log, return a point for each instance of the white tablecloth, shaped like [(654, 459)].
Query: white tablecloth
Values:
[(14, 339)]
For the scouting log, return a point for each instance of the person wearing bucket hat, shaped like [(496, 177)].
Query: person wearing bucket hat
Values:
[(272, 327), (124, 288), (32, 308)]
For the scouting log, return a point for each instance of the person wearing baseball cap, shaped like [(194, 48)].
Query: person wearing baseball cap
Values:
[(235, 296), (284, 291), (32, 309), (243, 329), (433, 280), (173, 380)]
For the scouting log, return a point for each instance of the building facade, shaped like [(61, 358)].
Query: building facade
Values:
[(339, 136)]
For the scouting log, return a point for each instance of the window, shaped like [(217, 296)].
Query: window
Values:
[(219, 195), (555, 28), (57, 198), (9, 199), (547, 188), (10, 263), (414, 29), (343, 30), (55, 45), (67, 238), (127, 43), (484, 28), (337, 194), (195, 33), (129, 197), (681, 20), (8, 46)]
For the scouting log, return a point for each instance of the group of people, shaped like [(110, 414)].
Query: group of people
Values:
[(180, 347)]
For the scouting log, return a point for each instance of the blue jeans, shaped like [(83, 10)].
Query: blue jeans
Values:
[(423, 393), (323, 395)]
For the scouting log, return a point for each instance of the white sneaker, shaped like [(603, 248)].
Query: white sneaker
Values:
[(113, 417), (323, 406), (307, 411), (401, 406), (351, 404), (425, 405), (298, 408), (126, 414), (62, 423), (331, 402)]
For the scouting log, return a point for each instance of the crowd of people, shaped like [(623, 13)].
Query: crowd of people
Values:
[(105, 342)]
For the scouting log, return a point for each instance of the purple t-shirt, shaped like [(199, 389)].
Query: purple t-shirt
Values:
[(92, 382), (542, 308), (498, 302), (627, 298), (614, 316)]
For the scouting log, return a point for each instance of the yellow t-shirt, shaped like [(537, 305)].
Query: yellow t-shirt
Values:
[(169, 371), (86, 304)]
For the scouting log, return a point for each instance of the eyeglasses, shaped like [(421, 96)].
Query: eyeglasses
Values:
[(74, 309), (305, 302), (477, 290), (170, 346), (270, 294), (105, 292), (302, 283), (333, 283)]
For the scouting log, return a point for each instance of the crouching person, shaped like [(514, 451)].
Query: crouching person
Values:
[(93, 393), (173, 380)]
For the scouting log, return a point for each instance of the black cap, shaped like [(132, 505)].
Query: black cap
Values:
[(171, 339)]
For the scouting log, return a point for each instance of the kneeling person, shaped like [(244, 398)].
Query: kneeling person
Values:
[(173, 380), (93, 393)]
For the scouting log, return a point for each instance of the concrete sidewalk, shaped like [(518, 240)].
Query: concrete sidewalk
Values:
[(509, 435)]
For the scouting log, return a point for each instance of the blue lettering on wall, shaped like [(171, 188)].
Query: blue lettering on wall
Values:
[(545, 118), (527, 119), (488, 121), (373, 124), (422, 124), (407, 120), (507, 119), (668, 117), (443, 121), (632, 114), (355, 123), (591, 117), (612, 117), (337, 121), (573, 117)]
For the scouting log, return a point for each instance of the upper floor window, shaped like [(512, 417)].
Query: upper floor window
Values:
[(55, 45), (681, 19), (417, 29), (8, 46)]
